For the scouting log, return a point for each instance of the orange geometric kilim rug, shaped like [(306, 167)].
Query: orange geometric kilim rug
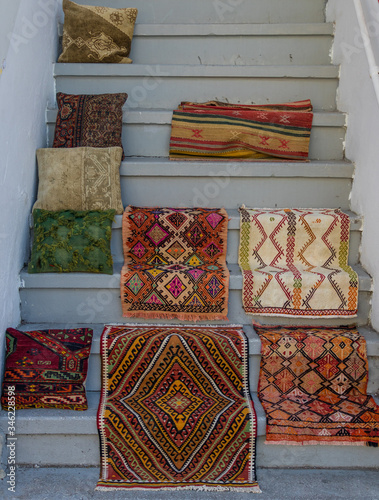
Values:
[(294, 262), (313, 386), (175, 409), (175, 263)]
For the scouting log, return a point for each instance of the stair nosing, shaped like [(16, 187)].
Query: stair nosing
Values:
[(164, 117), (321, 71), (112, 281), (233, 29)]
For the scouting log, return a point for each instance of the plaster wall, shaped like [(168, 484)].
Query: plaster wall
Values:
[(356, 96), (26, 88)]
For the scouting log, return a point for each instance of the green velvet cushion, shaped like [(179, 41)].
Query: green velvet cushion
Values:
[(70, 241)]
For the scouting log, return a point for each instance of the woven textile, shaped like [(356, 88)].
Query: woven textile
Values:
[(175, 409), (79, 179), (89, 120), (313, 386), (93, 34), (221, 130), (46, 369), (175, 263), (69, 241), (294, 262)]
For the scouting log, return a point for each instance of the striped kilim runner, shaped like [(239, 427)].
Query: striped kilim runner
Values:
[(313, 386), (242, 132), (295, 263), (175, 409)]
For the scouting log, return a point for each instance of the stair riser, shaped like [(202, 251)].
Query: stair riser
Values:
[(257, 192), (233, 244), (221, 11), (157, 91), (88, 306), (232, 50), (83, 451), (153, 140), (94, 373)]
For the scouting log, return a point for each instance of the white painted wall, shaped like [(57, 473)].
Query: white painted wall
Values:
[(356, 96), (26, 88)]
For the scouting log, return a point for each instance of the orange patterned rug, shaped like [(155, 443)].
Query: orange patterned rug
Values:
[(313, 386), (175, 263)]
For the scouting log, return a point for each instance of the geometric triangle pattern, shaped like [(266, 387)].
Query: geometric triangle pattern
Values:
[(175, 409), (294, 262), (175, 263), (313, 386)]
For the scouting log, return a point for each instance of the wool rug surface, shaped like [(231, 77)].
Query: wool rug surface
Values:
[(313, 386), (175, 263), (253, 132), (295, 263), (175, 409)]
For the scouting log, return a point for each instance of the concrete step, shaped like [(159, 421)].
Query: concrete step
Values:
[(71, 437), (164, 85), (147, 133), (232, 44), (222, 11), (95, 298), (65, 483)]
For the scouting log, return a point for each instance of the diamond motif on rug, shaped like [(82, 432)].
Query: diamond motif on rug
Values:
[(157, 234), (175, 287), (173, 400)]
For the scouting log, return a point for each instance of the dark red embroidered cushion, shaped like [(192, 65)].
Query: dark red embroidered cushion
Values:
[(89, 120), (46, 369)]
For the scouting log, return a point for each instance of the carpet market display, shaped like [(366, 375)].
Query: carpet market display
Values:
[(294, 263), (252, 132), (313, 386), (175, 263), (46, 369), (175, 409)]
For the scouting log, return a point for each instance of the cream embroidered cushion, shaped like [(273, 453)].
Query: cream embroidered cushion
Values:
[(93, 34), (79, 179)]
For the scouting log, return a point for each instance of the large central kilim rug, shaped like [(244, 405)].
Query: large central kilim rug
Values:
[(175, 409), (221, 130), (175, 263), (294, 262), (313, 386)]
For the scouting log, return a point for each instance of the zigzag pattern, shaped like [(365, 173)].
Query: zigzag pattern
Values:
[(311, 277)]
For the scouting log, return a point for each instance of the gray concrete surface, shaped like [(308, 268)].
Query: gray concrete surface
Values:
[(276, 484)]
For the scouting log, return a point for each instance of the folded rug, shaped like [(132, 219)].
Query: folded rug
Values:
[(294, 263), (175, 263), (313, 386), (221, 130), (175, 409)]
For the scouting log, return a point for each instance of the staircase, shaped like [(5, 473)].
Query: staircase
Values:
[(237, 50)]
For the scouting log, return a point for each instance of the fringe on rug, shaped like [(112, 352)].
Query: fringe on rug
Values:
[(237, 489), (180, 316)]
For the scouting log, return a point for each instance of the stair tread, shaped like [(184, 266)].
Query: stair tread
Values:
[(237, 29), (202, 71), (164, 116), (371, 336), (356, 221), (100, 281)]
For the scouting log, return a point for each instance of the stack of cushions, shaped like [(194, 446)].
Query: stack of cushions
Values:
[(46, 369), (93, 34), (79, 188)]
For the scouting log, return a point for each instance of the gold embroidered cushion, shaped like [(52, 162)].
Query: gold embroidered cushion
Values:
[(79, 179), (93, 34)]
